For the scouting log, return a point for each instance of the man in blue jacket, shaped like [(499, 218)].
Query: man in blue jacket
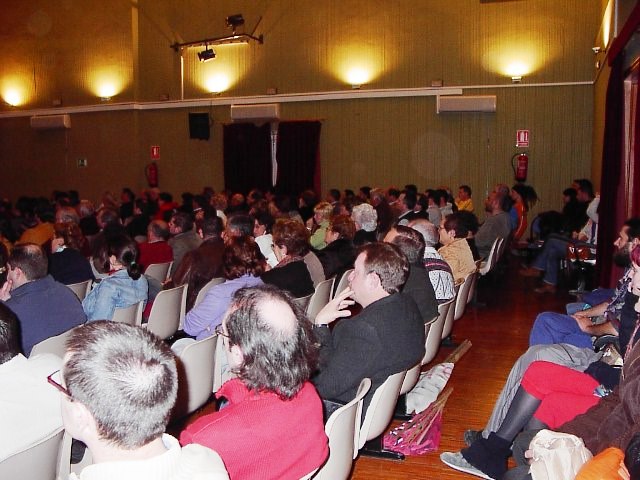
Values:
[(44, 307)]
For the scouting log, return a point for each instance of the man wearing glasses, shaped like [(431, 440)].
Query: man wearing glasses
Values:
[(119, 385), (271, 428), (30, 407)]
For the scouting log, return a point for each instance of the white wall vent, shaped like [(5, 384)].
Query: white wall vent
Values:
[(250, 113), (468, 103), (50, 122)]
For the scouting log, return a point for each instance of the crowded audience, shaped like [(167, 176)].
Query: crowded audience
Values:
[(401, 251)]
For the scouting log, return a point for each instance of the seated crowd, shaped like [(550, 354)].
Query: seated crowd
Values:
[(286, 369)]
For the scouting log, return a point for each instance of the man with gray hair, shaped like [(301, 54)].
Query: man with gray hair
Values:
[(439, 270), (271, 428), (119, 385)]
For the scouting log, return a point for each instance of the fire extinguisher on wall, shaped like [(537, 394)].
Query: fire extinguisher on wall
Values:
[(520, 165), (151, 171)]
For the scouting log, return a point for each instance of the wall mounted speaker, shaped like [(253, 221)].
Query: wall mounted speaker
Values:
[(199, 127)]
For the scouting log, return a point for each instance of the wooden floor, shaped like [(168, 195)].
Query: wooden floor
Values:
[(499, 334)]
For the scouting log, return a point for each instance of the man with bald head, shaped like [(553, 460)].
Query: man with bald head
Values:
[(272, 426), (439, 270)]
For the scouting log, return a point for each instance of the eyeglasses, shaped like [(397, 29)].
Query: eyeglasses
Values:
[(219, 330), (58, 385)]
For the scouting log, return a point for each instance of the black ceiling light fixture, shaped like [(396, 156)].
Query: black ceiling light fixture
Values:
[(233, 22), (206, 54)]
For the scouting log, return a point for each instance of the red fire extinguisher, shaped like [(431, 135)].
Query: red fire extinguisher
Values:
[(520, 165), (151, 171)]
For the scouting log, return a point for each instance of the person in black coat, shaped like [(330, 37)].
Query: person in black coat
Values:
[(418, 285), (66, 264), (340, 251), (290, 244), (385, 338)]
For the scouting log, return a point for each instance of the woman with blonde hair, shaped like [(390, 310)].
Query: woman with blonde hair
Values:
[(319, 223)]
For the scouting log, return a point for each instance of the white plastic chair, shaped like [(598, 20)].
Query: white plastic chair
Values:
[(303, 302), (81, 289), (341, 429), (167, 311), (448, 323), (55, 345), (64, 459), (433, 331), (411, 378), (381, 409), (131, 315), (159, 271), (319, 299), (472, 291), (342, 283), (464, 296), (309, 475), (207, 286), (38, 462), (195, 376), (492, 259)]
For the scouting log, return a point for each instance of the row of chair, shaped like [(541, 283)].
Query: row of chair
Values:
[(168, 310), (349, 435)]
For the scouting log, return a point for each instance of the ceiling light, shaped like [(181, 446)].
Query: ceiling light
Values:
[(206, 54), (234, 21)]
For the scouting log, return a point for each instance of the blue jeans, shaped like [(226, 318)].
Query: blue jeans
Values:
[(555, 249), (598, 296), (575, 307), (551, 327)]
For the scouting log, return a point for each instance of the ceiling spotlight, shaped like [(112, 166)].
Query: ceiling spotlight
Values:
[(206, 54), (234, 21)]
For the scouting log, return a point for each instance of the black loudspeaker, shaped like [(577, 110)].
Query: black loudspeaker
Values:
[(199, 127)]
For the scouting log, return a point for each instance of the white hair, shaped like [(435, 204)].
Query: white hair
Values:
[(365, 216)]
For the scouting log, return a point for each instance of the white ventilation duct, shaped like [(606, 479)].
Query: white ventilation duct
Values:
[(250, 113), (50, 122), (466, 103)]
